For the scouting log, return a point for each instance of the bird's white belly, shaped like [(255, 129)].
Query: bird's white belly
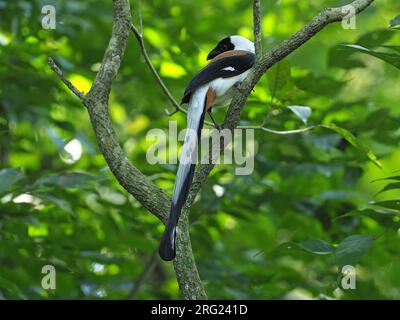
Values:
[(222, 87)]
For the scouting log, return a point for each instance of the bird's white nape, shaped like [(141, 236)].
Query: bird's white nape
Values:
[(241, 43)]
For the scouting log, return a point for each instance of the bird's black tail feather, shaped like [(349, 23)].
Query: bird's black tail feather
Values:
[(167, 249)]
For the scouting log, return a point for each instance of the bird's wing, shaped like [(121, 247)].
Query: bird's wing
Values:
[(225, 67)]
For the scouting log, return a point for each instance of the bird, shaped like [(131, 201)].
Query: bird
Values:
[(231, 62)]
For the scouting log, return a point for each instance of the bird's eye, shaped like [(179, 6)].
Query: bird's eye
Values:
[(224, 47)]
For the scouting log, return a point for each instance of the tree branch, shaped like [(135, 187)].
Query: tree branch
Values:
[(188, 280), (257, 27), (68, 83), (150, 196)]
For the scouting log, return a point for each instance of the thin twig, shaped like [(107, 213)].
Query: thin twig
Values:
[(140, 17), (139, 37), (148, 268), (68, 83), (283, 133), (257, 27)]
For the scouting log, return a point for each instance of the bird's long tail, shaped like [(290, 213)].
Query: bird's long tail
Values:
[(184, 177)]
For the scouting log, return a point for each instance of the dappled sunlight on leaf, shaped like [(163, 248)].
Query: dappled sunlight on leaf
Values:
[(138, 124), (80, 82), (172, 70)]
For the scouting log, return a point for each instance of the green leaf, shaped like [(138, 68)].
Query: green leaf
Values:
[(391, 204), (394, 48), (391, 58), (375, 38), (61, 203), (319, 85), (351, 249), (342, 58), (354, 141), (67, 180), (278, 76), (8, 177), (369, 212), (395, 22), (316, 246), (390, 186), (302, 112), (387, 178)]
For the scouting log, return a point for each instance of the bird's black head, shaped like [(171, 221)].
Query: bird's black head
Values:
[(224, 45)]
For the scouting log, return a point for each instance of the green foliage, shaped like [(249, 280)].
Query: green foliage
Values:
[(317, 246), (8, 178), (350, 250), (395, 22), (355, 142), (309, 207), (392, 58), (278, 77)]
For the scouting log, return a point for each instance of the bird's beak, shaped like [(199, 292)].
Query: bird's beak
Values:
[(213, 54)]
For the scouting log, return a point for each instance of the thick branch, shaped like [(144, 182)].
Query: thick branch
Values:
[(150, 196), (189, 279), (126, 174)]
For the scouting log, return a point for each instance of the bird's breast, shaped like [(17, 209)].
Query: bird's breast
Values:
[(223, 87)]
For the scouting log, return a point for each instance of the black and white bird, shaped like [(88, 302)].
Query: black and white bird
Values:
[(231, 61)]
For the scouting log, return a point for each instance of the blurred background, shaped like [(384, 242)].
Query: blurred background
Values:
[(284, 232)]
